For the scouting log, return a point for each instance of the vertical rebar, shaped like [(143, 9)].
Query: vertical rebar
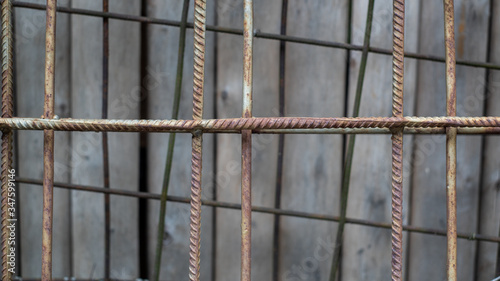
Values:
[(7, 111), (105, 147), (246, 144), (346, 176), (171, 140), (451, 141), (397, 139), (281, 143), (196, 158), (48, 141)]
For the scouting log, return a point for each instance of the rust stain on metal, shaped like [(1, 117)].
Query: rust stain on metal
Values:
[(7, 111), (397, 140), (196, 154), (246, 144), (469, 125), (48, 142), (246, 204), (451, 141)]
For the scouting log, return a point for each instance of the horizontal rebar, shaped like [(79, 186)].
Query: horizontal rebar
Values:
[(227, 205), (238, 124), (257, 34)]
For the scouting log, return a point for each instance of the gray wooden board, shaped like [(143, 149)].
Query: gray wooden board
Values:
[(30, 63), (367, 250), (315, 87), (489, 218), (88, 208), (161, 69), (428, 253), (264, 147)]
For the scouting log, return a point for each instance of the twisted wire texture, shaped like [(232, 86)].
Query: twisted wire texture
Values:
[(196, 154), (238, 124), (7, 110), (397, 140)]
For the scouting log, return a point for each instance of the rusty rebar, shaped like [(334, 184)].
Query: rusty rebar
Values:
[(265, 210), (105, 146), (48, 141), (171, 142), (246, 144), (451, 142), (7, 111), (258, 34), (397, 139), (434, 125), (196, 155)]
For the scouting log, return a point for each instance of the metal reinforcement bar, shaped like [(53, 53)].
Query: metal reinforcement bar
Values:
[(7, 110), (200, 7), (48, 141), (451, 142), (246, 144), (397, 139), (257, 123), (258, 34), (266, 210)]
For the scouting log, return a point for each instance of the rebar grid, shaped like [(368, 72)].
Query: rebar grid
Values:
[(397, 125)]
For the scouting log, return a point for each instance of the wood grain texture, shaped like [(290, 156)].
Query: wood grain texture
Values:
[(264, 148), (30, 61), (367, 250), (429, 170), (315, 86), (88, 208), (489, 216), (161, 71)]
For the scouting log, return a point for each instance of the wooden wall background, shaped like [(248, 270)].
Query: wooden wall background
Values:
[(319, 81)]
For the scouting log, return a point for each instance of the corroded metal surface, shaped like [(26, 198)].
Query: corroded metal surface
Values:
[(420, 124), (397, 139), (196, 155), (48, 141), (451, 141), (7, 110), (246, 144)]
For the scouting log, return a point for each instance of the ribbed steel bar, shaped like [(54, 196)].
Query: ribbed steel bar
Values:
[(451, 141), (266, 210), (105, 147), (257, 34), (246, 144), (397, 139), (171, 142), (7, 111), (346, 175), (48, 141), (196, 157), (468, 124)]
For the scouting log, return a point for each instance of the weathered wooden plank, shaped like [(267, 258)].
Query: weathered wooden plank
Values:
[(88, 209), (161, 70), (489, 216), (315, 86), (429, 187), (264, 148), (30, 60), (367, 251)]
